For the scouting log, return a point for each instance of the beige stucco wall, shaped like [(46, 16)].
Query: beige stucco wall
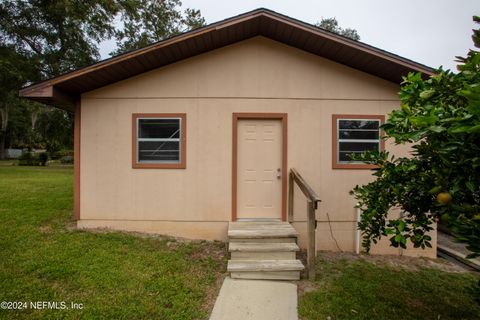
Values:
[(257, 75)]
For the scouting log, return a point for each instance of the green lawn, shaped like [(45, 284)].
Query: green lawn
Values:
[(8, 162), (113, 275), (124, 276), (350, 288)]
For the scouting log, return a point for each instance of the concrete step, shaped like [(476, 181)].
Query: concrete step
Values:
[(263, 240), (274, 275), (277, 255), (262, 251), (262, 247), (265, 269), (265, 265), (261, 230)]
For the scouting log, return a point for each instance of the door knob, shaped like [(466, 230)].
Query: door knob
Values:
[(279, 173)]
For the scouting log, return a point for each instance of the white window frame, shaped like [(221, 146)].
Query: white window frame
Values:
[(336, 163), (179, 140)]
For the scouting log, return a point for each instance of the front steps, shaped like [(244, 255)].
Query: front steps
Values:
[(263, 250)]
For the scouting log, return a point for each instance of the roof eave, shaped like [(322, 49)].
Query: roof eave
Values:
[(50, 91), (50, 95)]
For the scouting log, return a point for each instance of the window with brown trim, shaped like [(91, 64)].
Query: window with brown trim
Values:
[(159, 140), (355, 134)]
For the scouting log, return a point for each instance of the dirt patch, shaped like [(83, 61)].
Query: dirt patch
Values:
[(172, 242), (396, 262), (46, 229), (305, 286), (71, 226), (404, 262), (212, 293), (217, 251)]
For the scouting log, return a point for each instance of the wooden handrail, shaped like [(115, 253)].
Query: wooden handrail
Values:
[(312, 204), (305, 187)]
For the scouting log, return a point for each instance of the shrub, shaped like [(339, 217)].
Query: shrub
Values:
[(43, 158), (60, 154), (66, 160), (29, 159)]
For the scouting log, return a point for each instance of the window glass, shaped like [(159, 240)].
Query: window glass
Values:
[(364, 134), (159, 128), (358, 124), (159, 140), (158, 151), (356, 136), (346, 149)]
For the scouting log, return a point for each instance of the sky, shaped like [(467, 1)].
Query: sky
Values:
[(431, 32)]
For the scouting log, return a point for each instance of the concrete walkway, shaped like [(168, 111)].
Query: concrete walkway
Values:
[(446, 244), (256, 299)]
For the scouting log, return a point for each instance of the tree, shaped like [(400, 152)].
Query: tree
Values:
[(15, 69), (56, 129), (45, 39), (59, 35), (148, 21), (40, 39), (441, 181), (331, 24)]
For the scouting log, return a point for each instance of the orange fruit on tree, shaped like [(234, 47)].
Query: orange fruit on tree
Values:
[(444, 198)]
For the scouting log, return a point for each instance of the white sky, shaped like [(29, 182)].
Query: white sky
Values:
[(431, 32)]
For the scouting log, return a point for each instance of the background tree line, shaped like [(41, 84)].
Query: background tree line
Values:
[(41, 39)]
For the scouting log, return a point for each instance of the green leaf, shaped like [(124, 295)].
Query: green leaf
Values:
[(470, 186), (435, 190), (436, 129), (460, 129), (474, 129), (427, 94), (422, 120), (406, 108), (417, 135), (474, 107), (470, 94)]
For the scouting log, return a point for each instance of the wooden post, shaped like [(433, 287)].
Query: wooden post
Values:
[(311, 240), (76, 160), (290, 197)]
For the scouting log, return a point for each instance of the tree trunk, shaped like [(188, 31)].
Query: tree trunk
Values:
[(3, 130), (3, 136), (34, 118)]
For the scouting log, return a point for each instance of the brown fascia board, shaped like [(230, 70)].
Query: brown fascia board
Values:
[(352, 43), (50, 95), (40, 91), (34, 89)]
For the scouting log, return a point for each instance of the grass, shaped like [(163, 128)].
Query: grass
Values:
[(8, 162), (362, 289), (113, 275), (125, 276)]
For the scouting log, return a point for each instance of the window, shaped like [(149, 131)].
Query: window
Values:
[(159, 141), (355, 134)]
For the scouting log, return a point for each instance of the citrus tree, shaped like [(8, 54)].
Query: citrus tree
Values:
[(440, 181)]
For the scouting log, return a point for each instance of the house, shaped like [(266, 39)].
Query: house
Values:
[(188, 134)]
